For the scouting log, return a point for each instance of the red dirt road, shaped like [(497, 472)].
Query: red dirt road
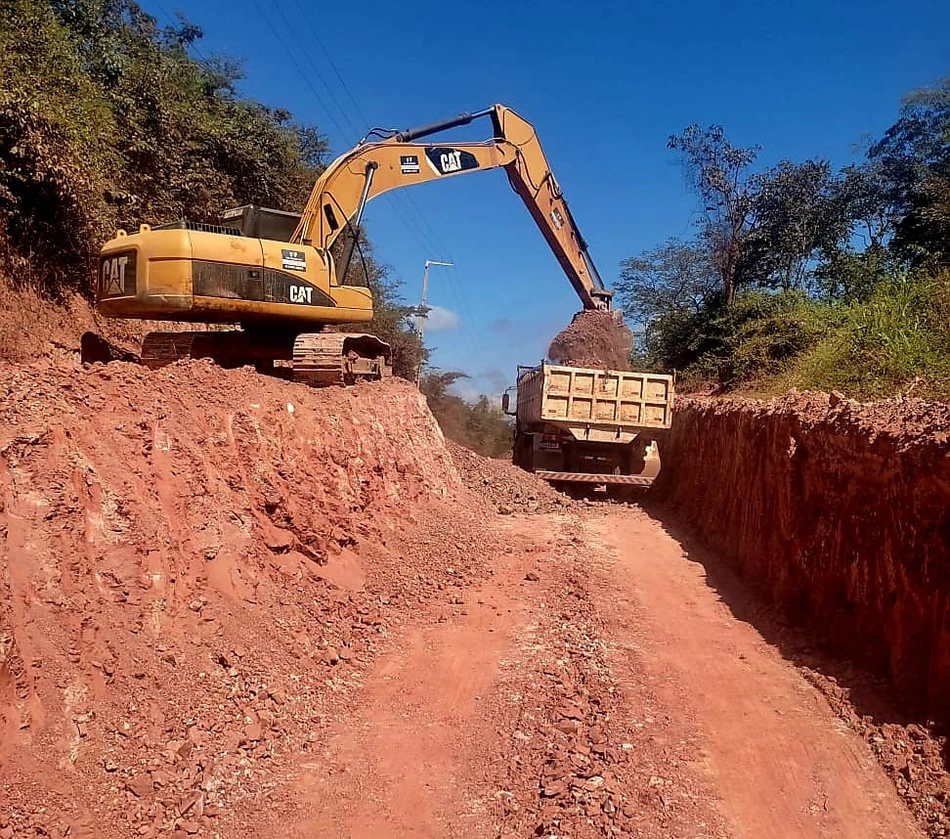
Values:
[(595, 684), (232, 606), (780, 760)]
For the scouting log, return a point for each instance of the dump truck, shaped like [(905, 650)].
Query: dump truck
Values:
[(582, 425)]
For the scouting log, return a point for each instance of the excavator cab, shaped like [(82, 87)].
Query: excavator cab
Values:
[(261, 222)]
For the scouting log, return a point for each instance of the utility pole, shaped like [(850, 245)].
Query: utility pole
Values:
[(421, 319)]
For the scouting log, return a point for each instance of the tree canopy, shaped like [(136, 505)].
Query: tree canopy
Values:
[(799, 262), (107, 120)]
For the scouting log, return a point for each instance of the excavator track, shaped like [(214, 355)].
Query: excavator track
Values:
[(336, 358), (319, 359), (161, 348), (227, 348)]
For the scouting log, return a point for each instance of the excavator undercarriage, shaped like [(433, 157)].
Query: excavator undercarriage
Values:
[(319, 359), (333, 358)]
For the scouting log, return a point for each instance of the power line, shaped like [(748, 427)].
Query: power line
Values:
[(406, 220), (310, 59), (439, 247), (414, 231), (173, 20), (453, 284), (299, 69), (424, 234), (326, 53), (435, 238), (456, 286)]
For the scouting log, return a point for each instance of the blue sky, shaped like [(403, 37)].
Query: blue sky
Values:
[(605, 84)]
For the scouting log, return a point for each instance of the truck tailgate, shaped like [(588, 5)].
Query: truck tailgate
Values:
[(595, 404)]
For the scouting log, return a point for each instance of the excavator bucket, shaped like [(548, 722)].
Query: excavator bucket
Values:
[(651, 464)]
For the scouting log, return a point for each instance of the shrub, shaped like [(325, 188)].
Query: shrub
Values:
[(751, 339), (106, 121), (897, 340)]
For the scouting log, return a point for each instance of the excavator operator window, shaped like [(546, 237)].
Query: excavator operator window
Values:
[(358, 275)]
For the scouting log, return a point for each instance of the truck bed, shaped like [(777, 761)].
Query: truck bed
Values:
[(604, 405)]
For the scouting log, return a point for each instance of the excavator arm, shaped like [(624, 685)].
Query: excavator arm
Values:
[(531, 177), (339, 197)]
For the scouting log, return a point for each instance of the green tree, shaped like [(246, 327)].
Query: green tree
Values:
[(106, 121), (796, 217), (720, 174), (677, 276), (864, 201), (481, 427), (676, 291), (758, 228), (802, 274), (488, 428), (912, 160)]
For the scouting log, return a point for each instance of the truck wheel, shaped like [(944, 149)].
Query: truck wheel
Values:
[(526, 453), (519, 453)]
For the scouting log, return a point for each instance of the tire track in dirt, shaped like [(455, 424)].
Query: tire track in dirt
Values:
[(231, 606), (411, 757), (499, 717)]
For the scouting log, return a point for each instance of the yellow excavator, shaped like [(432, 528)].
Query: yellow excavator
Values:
[(273, 273)]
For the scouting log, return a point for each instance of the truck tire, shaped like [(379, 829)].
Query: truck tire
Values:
[(523, 452)]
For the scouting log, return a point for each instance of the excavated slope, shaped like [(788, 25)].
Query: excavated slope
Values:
[(839, 510), (183, 560), (199, 569)]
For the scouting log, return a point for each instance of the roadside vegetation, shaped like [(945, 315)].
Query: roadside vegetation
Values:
[(801, 275), (481, 427), (107, 120)]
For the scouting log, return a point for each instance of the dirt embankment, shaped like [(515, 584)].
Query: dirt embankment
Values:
[(504, 486), (235, 606), (183, 571), (593, 339), (33, 326), (840, 511)]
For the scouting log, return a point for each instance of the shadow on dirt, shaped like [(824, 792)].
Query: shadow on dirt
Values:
[(801, 643), (913, 749)]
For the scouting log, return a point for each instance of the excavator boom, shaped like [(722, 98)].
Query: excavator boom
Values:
[(531, 177), (373, 168)]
